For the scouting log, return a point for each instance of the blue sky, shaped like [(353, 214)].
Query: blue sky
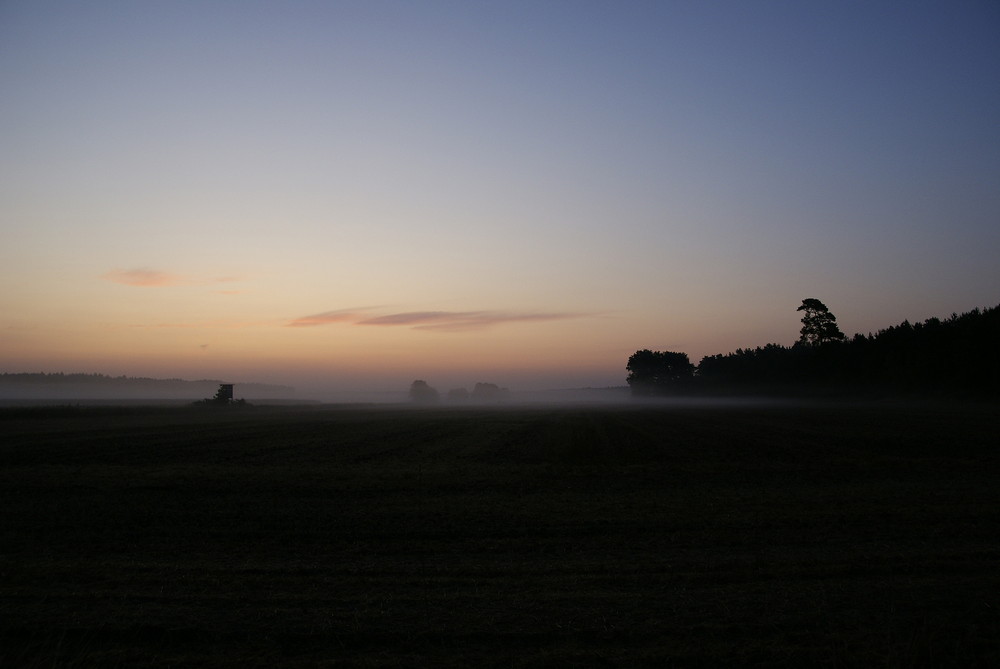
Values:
[(589, 178)]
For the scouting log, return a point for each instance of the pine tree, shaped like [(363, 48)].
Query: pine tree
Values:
[(819, 326)]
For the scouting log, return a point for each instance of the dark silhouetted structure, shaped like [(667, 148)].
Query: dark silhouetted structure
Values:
[(224, 395)]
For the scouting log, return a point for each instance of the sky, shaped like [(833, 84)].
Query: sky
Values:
[(340, 195)]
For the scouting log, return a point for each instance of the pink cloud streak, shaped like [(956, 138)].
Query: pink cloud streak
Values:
[(142, 278), (327, 317), (444, 321), (149, 278)]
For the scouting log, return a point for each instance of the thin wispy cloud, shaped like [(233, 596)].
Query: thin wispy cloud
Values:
[(457, 321), (145, 278), (202, 325), (151, 278), (415, 318), (328, 317), (445, 321)]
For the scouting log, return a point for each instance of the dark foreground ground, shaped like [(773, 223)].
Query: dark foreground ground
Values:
[(534, 537)]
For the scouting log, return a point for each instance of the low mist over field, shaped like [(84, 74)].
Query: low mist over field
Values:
[(953, 357)]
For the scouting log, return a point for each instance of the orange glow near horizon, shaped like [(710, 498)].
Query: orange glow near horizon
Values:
[(352, 345), (352, 194)]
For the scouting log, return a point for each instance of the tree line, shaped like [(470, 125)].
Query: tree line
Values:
[(422, 392), (959, 355), (35, 382)]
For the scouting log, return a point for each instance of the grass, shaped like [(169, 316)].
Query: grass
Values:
[(527, 537)]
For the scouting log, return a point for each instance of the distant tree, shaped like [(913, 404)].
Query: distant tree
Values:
[(487, 392), (658, 372), (422, 393), (819, 326)]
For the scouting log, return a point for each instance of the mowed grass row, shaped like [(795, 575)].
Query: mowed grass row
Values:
[(583, 536)]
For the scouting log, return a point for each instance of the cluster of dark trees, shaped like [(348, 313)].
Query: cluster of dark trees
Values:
[(959, 355), (422, 393)]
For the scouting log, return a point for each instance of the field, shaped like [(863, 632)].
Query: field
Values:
[(862, 535)]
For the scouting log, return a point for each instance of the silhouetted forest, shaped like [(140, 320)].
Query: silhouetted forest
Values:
[(101, 385), (959, 355)]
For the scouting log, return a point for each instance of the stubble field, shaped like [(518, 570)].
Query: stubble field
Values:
[(859, 535)]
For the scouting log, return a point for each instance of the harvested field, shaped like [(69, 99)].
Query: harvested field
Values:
[(525, 537)]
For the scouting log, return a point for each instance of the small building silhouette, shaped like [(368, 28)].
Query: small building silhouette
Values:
[(224, 395)]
